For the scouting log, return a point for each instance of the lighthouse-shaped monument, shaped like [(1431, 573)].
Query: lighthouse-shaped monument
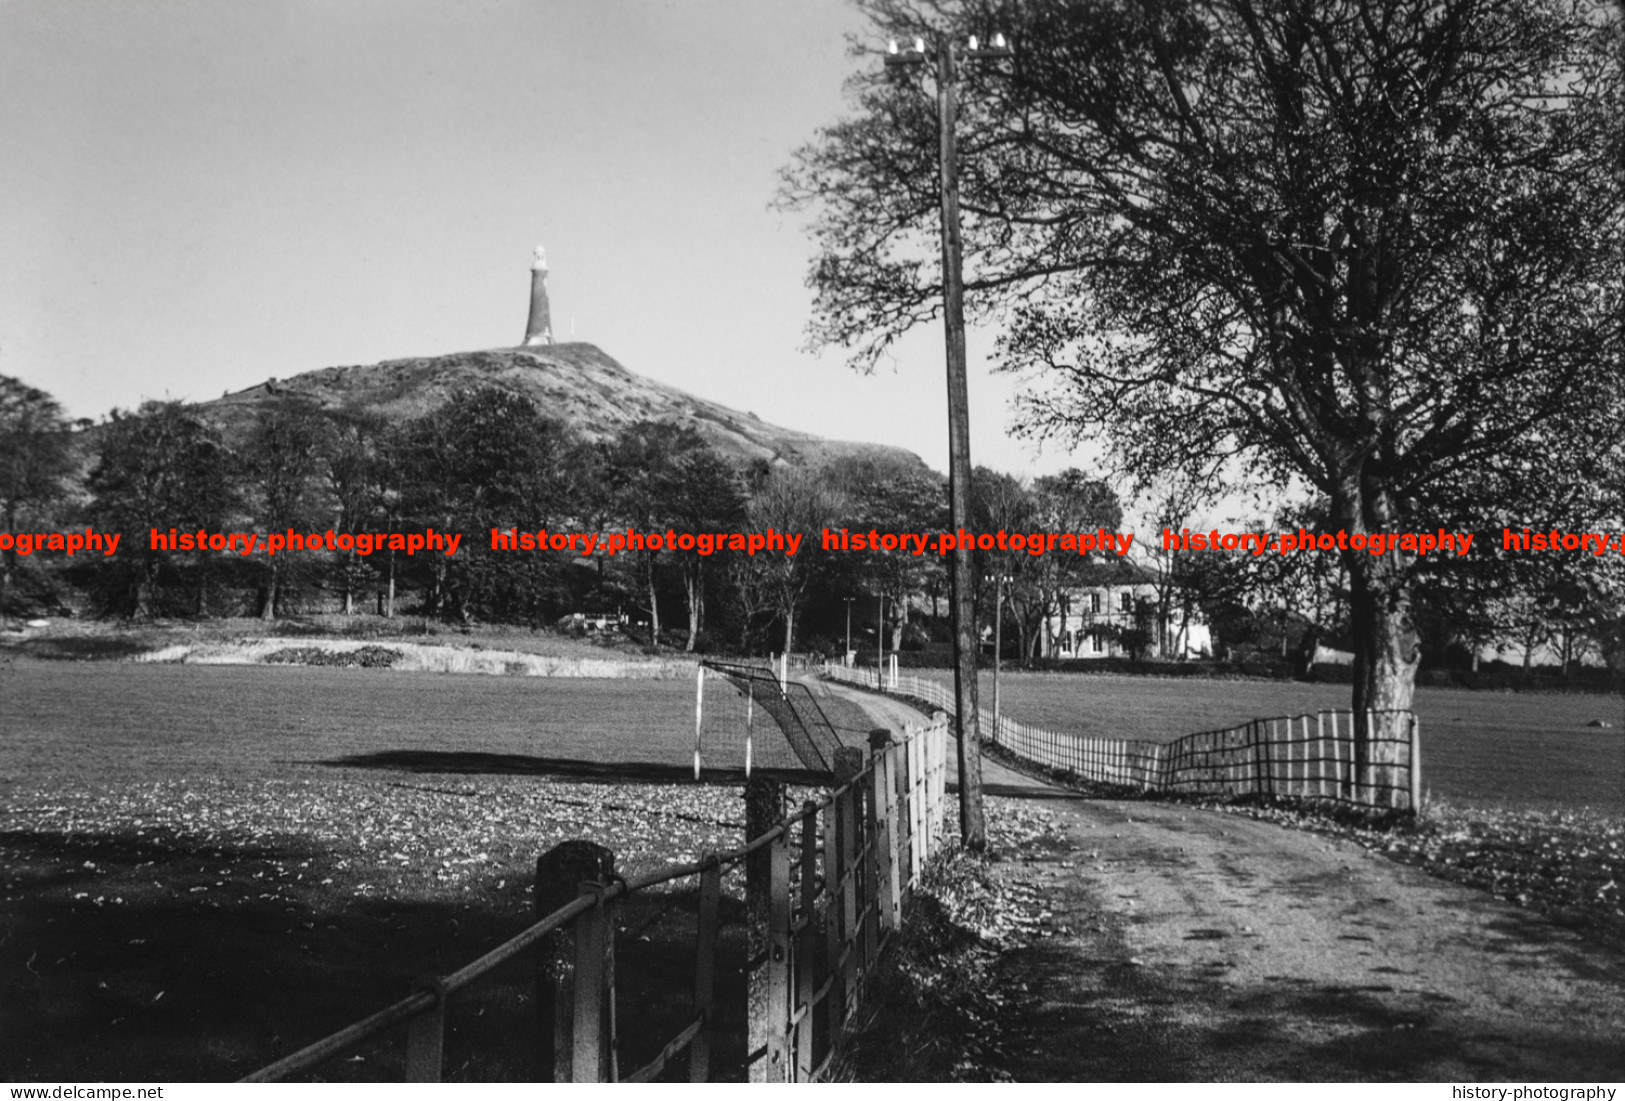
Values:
[(539, 330)]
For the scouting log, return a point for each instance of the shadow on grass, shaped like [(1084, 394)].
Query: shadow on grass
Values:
[(85, 647), (518, 764), (126, 957)]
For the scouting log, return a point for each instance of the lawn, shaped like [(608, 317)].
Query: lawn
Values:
[(1495, 748), (205, 867), (128, 720)]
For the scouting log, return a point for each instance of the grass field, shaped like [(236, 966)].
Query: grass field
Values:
[(204, 867), (1477, 747), (115, 719)]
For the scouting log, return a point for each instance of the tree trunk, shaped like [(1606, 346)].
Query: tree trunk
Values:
[(143, 591), (9, 558), (789, 628), (268, 609), (1386, 643), (654, 611), (694, 589)]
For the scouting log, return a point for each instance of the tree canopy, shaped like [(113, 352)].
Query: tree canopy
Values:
[(36, 457), (1368, 246)]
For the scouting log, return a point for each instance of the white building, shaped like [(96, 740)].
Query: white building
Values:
[(1093, 617)]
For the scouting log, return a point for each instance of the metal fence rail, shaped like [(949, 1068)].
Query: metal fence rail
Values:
[(829, 882), (1300, 756)]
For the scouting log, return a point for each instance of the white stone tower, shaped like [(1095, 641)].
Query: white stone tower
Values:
[(539, 330)]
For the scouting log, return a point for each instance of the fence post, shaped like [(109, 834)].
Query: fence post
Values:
[(1255, 735), (1269, 740), (939, 791), (896, 823), (592, 1056), (1365, 778), (914, 764), (699, 715), (804, 973), (855, 889), (882, 812), (705, 968), (1416, 765), (425, 1036), (1302, 785), (840, 891), (559, 874), (766, 954), (1340, 788), (1320, 754)]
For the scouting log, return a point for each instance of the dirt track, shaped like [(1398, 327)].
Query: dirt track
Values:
[(1210, 947)]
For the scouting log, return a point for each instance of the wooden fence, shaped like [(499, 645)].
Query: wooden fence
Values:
[(1301, 756), (825, 889)]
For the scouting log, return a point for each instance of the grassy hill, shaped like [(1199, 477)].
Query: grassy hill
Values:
[(577, 383)]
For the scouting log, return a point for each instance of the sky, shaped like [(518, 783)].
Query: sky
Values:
[(203, 194)]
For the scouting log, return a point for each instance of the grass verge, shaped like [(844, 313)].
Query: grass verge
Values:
[(936, 1010), (933, 1011)]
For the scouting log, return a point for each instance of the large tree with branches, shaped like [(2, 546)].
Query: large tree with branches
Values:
[(1371, 247)]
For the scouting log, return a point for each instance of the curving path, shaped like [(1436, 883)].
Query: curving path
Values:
[(1202, 946)]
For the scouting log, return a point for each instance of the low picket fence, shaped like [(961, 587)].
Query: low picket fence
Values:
[(1299, 756), (825, 890)]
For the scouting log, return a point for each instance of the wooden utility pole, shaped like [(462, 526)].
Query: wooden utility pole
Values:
[(962, 607), (972, 826)]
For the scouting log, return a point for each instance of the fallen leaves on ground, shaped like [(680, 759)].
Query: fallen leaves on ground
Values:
[(1568, 864), (424, 838), (936, 1011)]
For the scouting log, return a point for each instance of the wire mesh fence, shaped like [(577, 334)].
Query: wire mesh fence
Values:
[(1370, 759)]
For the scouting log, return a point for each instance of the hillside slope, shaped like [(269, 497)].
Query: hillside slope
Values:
[(577, 383)]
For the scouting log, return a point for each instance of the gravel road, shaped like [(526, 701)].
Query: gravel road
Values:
[(1203, 946)]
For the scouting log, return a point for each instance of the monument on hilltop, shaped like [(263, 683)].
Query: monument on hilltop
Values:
[(539, 330)]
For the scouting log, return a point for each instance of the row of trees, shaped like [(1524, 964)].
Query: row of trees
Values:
[(1562, 603), (490, 459)]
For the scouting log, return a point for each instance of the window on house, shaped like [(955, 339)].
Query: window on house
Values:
[(1094, 603), (1094, 643), (1128, 602)]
